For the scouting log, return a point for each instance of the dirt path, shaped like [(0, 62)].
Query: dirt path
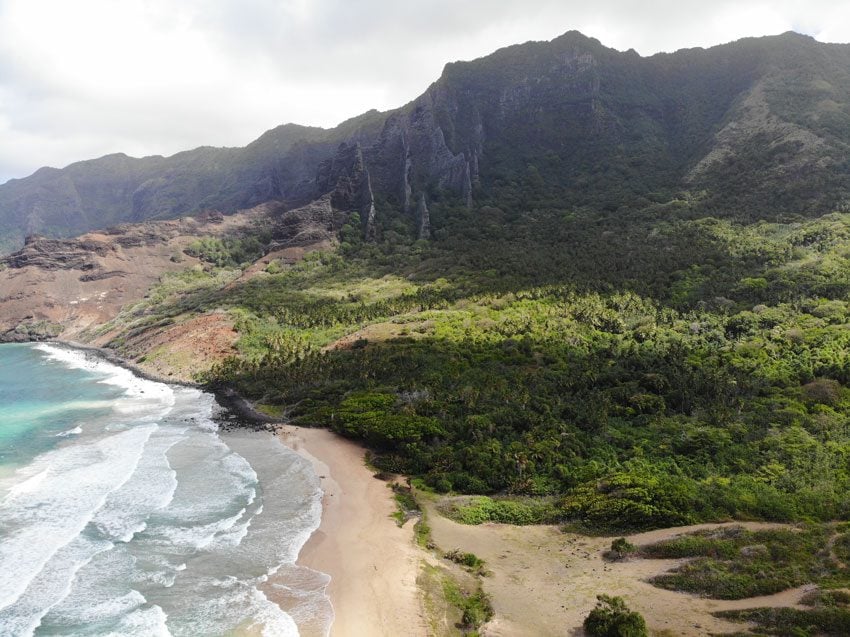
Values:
[(545, 582)]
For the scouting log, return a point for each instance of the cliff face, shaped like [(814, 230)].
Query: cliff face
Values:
[(349, 183), (760, 124)]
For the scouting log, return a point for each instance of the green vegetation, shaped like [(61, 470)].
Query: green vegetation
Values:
[(689, 370), (442, 615), (406, 505), (733, 563), (274, 411), (792, 622), (475, 607), (480, 509), (177, 296), (453, 607), (38, 330), (820, 598), (226, 252), (422, 532), (470, 561), (623, 132), (829, 615), (620, 549), (612, 618), (616, 335)]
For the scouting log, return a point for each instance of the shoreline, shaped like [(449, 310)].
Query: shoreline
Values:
[(111, 356), (372, 562), (371, 566), (231, 401)]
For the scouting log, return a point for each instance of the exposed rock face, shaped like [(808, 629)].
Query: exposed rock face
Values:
[(53, 287), (53, 254), (412, 152), (424, 218), (317, 222), (349, 183)]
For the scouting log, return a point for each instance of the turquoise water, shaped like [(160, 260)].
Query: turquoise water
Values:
[(40, 399), (124, 510)]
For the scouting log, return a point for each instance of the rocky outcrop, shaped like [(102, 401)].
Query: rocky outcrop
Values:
[(100, 276), (317, 222), (53, 254), (413, 154), (346, 179), (59, 288)]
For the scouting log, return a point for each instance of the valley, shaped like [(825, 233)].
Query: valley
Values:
[(569, 293)]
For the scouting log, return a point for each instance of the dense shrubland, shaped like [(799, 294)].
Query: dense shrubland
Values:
[(226, 251), (735, 563), (612, 618)]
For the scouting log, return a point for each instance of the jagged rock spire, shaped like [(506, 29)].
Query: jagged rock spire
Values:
[(347, 179)]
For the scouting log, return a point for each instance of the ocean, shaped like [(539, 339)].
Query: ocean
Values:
[(126, 510)]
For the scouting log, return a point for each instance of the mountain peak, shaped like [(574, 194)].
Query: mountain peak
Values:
[(794, 35), (576, 37)]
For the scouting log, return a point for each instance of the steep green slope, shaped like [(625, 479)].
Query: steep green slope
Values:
[(754, 128)]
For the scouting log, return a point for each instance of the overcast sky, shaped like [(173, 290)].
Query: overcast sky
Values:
[(83, 78)]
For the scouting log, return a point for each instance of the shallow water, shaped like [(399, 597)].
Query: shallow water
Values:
[(124, 510)]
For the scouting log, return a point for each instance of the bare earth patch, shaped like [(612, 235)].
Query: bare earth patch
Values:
[(545, 582), (185, 349)]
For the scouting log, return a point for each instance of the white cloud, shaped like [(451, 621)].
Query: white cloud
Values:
[(85, 78)]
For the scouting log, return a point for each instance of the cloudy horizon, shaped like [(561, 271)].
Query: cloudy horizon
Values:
[(150, 77)]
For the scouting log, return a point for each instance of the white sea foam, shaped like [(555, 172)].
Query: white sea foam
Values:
[(43, 411), (198, 537), (149, 489), (127, 615), (231, 604), (30, 480), (307, 601), (72, 484), (221, 517), (93, 609), (142, 622), (50, 586), (271, 617), (144, 399), (76, 431)]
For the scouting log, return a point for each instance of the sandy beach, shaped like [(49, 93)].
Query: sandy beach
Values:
[(373, 564)]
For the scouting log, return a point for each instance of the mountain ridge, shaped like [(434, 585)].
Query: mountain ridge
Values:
[(601, 128)]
